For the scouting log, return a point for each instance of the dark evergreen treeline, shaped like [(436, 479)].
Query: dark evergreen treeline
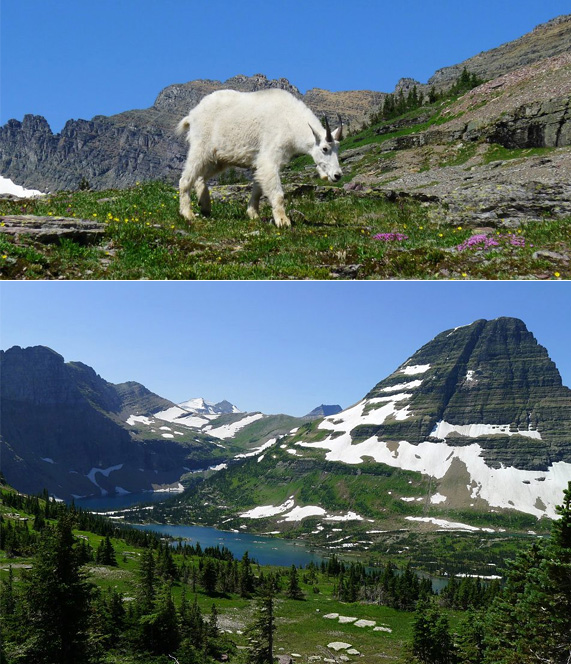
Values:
[(16, 536), (397, 104)]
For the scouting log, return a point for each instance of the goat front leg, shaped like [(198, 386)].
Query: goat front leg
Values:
[(269, 178)]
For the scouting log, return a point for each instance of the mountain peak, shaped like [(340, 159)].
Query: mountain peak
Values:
[(323, 410)]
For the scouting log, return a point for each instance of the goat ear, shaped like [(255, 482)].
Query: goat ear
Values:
[(315, 134)]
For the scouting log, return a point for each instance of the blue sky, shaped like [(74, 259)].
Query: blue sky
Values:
[(76, 59), (274, 347)]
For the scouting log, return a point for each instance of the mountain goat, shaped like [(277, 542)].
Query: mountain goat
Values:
[(261, 130)]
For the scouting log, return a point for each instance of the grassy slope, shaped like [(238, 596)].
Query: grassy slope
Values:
[(332, 235)]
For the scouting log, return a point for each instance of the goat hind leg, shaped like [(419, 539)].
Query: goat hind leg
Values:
[(189, 176), (254, 204)]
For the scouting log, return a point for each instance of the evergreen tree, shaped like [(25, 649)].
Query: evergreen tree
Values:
[(261, 633), (246, 576), (160, 628), (432, 643), (106, 553), (470, 639), (293, 589), (146, 589), (209, 576), (57, 598)]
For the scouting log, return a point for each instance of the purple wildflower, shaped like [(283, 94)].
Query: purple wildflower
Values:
[(484, 242), (390, 237)]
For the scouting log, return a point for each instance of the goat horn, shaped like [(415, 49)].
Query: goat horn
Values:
[(328, 135)]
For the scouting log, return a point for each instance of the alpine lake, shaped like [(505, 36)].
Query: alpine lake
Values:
[(265, 550)]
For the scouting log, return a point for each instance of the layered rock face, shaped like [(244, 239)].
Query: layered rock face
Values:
[(480, 409), (65, 428), (491, 373)]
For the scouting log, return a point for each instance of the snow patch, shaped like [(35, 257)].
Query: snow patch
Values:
[(510, 488), (414, 369), (104, 471), (437, 498), (167, 435), (448, 525), (402, 386), (47, 459), (9, 187), (264, 511), (230, 430), (356, 415), (268, 443), (133, 419), (443, 429), (350, 516)]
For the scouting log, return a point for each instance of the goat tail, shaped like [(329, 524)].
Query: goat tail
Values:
[(183, 126)]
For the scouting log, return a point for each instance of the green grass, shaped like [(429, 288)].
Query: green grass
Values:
[(332, 237), (499, 153)]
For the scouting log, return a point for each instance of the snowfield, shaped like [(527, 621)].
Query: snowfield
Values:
[(443, 429), (230, 430), (293, 512), (355, 415), (9, 187), (415, 369), (531, 491)]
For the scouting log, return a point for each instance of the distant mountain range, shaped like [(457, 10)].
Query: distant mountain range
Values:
[(66, 429), (139, 145), (473, 428)]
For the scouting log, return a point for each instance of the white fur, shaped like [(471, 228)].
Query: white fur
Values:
[(261, 130)]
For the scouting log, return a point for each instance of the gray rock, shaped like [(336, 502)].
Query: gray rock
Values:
[(51, 229)]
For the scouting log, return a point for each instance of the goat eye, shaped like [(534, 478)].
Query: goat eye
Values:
[(326, 150)]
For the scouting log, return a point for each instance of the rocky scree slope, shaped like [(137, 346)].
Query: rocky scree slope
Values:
[(475, 422)]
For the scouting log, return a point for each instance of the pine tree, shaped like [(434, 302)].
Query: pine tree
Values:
[(160, 628), (261, 633), (246, 576), (57, 600), (106, 553), (432, 642), (293, 589), (146, 588), (209, 576)]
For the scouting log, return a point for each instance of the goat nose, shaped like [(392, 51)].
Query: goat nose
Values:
[(337, 177)]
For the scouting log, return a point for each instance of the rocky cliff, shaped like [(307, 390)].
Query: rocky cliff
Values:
[(68, 430), (545, 41)]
